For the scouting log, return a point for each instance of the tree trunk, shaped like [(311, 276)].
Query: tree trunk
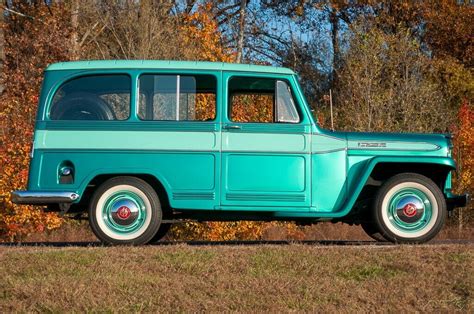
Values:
[(74, 35), (334, 21), (240, 42)]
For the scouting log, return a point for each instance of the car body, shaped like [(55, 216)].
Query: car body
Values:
[(217, 141)]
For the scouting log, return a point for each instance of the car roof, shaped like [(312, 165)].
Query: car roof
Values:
[(166, 64)]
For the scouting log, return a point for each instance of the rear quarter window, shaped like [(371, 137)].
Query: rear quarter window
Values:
[(93, 97), (177, 97)]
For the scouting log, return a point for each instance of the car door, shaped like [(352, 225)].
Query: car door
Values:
[(265, 144)]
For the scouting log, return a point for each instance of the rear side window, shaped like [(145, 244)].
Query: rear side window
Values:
[(177, 97), (93, 97)]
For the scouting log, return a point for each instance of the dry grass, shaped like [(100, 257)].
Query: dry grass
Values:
[(178, 278), (80, 232)]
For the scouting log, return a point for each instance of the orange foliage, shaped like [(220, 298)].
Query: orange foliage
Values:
[(30, 45), (201, 31), (252, 108), (464, 148)]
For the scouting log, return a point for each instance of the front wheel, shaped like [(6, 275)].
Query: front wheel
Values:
[(125, 210), (409, 208)]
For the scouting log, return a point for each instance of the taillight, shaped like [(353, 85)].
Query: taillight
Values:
[(32, 152)]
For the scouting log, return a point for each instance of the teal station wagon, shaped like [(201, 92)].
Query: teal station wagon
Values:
[(138, 145)]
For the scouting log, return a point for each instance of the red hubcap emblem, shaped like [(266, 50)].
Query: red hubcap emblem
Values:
[(409, 210), (123, 212)]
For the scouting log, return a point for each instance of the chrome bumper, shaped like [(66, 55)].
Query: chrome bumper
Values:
[(43, 197)]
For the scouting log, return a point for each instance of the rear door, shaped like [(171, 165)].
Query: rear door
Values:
[(265, 145)]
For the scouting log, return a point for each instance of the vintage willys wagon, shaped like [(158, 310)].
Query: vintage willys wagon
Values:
[(140, 144)]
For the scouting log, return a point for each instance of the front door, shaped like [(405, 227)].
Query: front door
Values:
[(265, 145)]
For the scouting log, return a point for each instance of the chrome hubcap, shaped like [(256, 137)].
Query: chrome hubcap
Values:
[(124, 212), (409, 209)]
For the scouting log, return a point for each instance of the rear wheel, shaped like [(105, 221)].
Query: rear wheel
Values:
[(409, 208), (125, 210)]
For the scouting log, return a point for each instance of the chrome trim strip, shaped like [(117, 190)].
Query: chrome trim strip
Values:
[(355, 147), (263, 152), (43, 197), (357, 151), (328, 151)]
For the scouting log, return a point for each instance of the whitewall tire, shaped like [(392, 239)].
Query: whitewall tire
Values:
[(125, 210), (409, 208)]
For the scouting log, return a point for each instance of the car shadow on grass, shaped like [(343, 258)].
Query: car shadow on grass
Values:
[(199, 243), (231, 243)]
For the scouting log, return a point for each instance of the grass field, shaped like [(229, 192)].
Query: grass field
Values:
[(189, 278)]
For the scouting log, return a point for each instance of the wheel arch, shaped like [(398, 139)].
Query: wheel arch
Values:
[(160, 186), (438, 173), (379, 169)]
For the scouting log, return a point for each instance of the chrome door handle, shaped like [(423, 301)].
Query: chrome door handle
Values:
[(232, 127)]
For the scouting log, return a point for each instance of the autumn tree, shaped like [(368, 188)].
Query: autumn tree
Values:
[(384, 85), (34, 38), (128, 30), (463, 148)]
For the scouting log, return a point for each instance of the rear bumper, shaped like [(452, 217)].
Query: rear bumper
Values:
[(43, 197), (454, 201)]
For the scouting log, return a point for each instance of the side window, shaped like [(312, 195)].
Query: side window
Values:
[(93, 97), (261, 100), (177, 97)]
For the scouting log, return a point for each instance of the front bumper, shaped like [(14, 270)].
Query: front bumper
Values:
[(43, 197), (454, 201)]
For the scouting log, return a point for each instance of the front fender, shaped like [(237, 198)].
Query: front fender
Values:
[(358, 178)]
